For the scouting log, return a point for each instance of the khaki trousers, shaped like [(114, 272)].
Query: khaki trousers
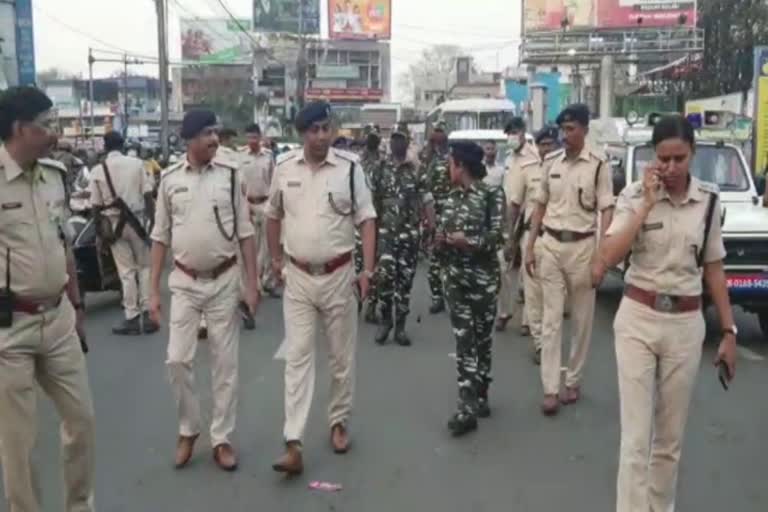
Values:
[(565, 267), (263, 260), (131, 256), (507, 288), (331, 299), (217, 299), (45, 349), (658, 357), (532, 309)]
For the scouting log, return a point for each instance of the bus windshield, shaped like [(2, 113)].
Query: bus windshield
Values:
[(720, 165)]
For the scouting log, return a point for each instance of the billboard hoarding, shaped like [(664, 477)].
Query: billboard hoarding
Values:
[(215, 41), (546, 15), (760, 144), (337, 72), (316, 93), (359, 19), (645, 13), (25, 43), (283, 16)]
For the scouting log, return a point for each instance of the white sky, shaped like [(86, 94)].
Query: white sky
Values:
[(489, 29)]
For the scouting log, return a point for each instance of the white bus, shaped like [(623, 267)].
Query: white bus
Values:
[(472, 114)]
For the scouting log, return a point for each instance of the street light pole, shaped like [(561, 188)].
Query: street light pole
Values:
[(301, 64), (163, 56), (91, 60)]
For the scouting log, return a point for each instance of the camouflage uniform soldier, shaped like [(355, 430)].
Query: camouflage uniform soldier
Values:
[(471, 234), (400, 193), (439, 184), (371, 161)]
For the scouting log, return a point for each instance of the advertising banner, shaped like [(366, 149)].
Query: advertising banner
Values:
[(360, 19), (316, 93), (761, 109), (337, 72), (25, 42), (545, 15), (215, 41), (645, 13), (284, 16)]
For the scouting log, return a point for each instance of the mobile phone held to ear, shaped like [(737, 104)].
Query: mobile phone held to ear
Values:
[(723, 374)]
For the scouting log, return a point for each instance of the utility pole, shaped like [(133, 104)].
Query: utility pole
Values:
[(91, 60), (125, 95), (301, 64), (163, 56)]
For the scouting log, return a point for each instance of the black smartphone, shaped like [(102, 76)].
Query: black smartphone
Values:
[(723, 374)]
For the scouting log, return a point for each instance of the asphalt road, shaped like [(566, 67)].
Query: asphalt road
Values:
[(403, 457)]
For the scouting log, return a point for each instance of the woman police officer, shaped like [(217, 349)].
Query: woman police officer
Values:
[(665, 223), (468, 238)]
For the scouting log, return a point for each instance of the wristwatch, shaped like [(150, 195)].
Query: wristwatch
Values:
[(731, 330)]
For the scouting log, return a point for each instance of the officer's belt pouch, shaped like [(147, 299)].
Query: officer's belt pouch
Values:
[(7, 305)]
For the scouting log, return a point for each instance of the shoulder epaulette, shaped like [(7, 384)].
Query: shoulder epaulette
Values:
[(635, 189), (706, 186), (554, 154), (172, 168), (530, 163), (285, 157), (346, 155), (225, 163), (53, 164), (596, 155)]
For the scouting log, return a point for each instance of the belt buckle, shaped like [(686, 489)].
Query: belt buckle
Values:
[(566, 236), (316, 269), (664, 303)]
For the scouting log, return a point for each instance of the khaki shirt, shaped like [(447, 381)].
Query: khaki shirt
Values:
[(663, 257), (316, 206), (523, 183), (257, 170), (229, 156), (185, 216), (129, 178), (33, 216), (568, 190)]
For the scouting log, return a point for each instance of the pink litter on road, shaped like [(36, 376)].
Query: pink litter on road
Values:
[(325, 486)]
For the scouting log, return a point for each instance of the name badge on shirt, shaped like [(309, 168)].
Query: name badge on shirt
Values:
[(10, 206), (293, 184), (554, 176), (535, 180), (653, 227), (181, 189)]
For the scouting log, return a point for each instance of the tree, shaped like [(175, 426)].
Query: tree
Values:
[(434, 70), (732, 30)]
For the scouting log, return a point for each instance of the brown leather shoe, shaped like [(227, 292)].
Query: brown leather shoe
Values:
[(570, 395), (291, 463), (184, 448), (550, 406), (339, 439), (501, 323), (225, 457)]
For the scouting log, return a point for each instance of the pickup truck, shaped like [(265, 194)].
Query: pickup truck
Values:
[(744, 218)]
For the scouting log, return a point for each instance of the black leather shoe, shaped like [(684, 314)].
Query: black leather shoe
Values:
[(383, 333), (147, 325), (483, 409), (130, 327), (461, 424), (401, 338), (249, 323)]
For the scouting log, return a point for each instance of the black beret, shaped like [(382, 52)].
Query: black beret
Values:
[(253, 128), (315, 112), (195, 121), (516, 124), (113, 140), (548, 132), (578, 113), (23, 103)]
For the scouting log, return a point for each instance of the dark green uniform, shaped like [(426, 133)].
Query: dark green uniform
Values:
[(371, 162), (439, 183), (471, 286), (400, 192)]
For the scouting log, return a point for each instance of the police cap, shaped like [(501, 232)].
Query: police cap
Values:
[(253, 128), (548, 132), (578, 113), (341, 142), (315, 112), (22, 103), (195, 121), (516, 124)]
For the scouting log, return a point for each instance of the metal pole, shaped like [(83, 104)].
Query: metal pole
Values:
[(607, 86), (301, 65), (90, 91), (125, 95), (163, 57)]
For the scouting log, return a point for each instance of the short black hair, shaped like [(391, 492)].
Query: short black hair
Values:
[(22, 103), (113, 141), (253, 128), (470, 156), (516, 124), (673, 127), (227, 133)]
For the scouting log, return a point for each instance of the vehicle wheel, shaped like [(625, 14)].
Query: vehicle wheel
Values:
[(763, 318)]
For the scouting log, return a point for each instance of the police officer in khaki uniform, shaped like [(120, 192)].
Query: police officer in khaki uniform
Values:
[(671, 224), (131, 252), (41, 317), (318, 197), (520, 153), (203, 217), (576, 186), (257, 168)]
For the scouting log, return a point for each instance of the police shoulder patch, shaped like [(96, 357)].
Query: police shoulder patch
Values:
[(553, 155), (530, 163), (53, 164), (290, 155), (225, 163), (345, 155), (708, 187), (172, 168)]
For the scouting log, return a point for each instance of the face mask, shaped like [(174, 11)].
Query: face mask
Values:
[(514, 142)]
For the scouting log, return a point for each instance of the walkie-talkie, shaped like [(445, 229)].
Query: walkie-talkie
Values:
[(7, 298)]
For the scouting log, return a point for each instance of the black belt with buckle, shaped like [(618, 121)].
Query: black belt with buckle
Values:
[(568, 236)]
